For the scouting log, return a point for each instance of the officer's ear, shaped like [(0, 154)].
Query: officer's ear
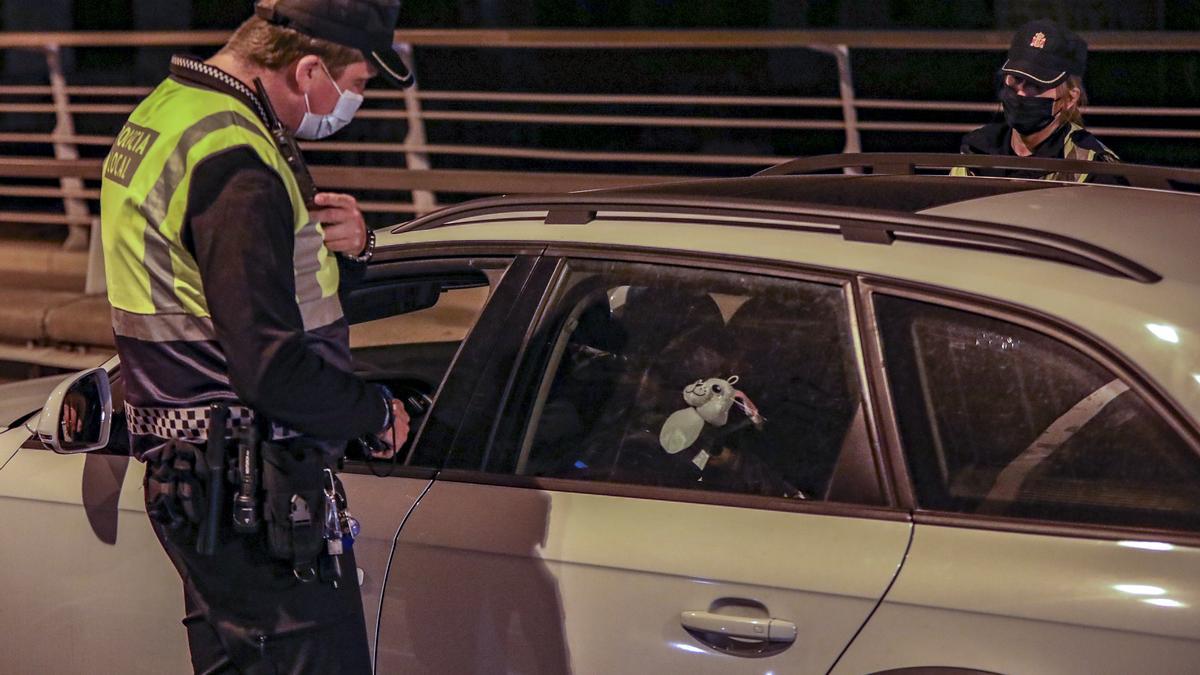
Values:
[(305, 72)]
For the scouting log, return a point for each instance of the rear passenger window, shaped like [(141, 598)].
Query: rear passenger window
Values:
[(998, 419), (686, 378)]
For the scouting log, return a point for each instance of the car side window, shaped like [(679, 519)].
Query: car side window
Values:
[(1002, 420), (685, 378)]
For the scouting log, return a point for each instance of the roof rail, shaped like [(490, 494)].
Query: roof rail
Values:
[(1138, 175), (854, 224)]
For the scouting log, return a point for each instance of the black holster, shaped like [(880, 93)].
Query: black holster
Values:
[(294, 502)]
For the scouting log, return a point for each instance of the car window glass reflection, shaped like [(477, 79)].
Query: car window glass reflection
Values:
[(1000, 420), (685, 378)]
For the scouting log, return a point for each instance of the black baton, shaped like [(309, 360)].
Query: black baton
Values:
[(206, 543)]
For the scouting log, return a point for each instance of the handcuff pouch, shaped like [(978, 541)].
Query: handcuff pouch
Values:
[(294, 502), (176, 492)]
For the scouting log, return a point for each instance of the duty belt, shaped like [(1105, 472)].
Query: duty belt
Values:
[(191, 424)]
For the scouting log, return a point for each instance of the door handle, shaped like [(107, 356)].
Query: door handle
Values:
[(747, 628)]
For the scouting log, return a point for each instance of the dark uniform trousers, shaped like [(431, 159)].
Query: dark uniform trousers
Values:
[(246, 612)]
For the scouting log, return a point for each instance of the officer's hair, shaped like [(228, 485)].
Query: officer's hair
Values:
[(1073, 115), (274, 47)]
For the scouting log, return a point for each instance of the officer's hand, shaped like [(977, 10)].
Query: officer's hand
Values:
[(345, 230), (394, 436)]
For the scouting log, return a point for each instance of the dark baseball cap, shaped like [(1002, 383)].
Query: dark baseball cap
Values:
[(365, 25), (1046, 53)]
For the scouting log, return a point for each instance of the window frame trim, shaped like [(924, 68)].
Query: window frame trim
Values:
[(1055, 328), (385, 257), (561, 253), (682, 495), (546, 293)]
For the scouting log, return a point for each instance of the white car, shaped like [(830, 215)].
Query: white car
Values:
[(784, 423)]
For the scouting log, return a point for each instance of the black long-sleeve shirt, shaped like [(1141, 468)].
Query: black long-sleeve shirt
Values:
[(239, 228)]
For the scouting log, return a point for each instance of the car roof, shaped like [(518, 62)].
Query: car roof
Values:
[(1082, 224), (1128, 252), (903, 194), (1156, 228)]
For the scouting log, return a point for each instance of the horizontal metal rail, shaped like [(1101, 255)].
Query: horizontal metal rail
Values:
[(35, 218), (621, 120), (631, 39), (469, 150), (535, 153), (463, 181), (54, 192), (642, 99)]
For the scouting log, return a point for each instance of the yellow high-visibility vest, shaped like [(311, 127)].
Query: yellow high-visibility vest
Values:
[(1071, 150), (154, 283)]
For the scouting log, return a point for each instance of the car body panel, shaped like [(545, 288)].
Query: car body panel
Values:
[(1102, 215), (523, 580), (10, 443), (84, 575), (1047, 604), (380, 505), (18, 399)]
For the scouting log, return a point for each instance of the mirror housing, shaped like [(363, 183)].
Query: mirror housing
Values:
[(379, 301), (77, 416)]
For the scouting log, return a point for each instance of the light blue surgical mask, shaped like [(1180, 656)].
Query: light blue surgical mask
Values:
[(313, 126)]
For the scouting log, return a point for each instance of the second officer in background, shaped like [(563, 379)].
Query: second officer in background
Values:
[(1041, 93)]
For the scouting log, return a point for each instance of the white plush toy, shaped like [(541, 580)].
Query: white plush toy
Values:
[(709, 401)]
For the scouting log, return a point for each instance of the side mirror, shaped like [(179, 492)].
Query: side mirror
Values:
[(78, 414)]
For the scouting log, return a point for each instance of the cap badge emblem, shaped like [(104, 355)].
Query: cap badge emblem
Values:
[(1039, 40)]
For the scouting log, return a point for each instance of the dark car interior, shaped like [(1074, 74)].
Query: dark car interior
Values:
[(615, 372)]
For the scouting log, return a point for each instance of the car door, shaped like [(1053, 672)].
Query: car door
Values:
[(563, 534), (1057, 497), (417, 355)]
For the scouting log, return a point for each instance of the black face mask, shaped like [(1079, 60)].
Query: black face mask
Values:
[(1027, 114)]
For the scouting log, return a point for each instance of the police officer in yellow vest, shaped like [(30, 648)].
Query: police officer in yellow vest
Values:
[(1041, 92), (224, 280)]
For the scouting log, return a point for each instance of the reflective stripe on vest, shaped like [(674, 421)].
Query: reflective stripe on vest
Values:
[(1071, 150), (153, 281)]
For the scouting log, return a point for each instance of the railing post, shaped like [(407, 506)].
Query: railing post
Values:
[(73, 204), (846, 89), (95, 283), (423, 200)]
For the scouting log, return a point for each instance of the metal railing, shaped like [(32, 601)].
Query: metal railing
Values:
[(420, 186)]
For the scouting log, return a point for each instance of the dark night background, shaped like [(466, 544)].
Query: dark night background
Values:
[(1114, 78)]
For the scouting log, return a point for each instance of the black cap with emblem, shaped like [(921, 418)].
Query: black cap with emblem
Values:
[(1046, 53), (365, 25)]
